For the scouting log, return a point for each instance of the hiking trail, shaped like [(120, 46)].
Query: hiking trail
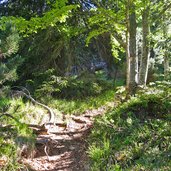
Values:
[(62, 146)]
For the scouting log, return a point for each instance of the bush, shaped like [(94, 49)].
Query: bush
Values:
[(48, 84)]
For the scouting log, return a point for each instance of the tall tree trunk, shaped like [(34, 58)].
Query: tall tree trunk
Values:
[(166, 65), (127, 48), (132, 60), (145, 48), (166, 54)]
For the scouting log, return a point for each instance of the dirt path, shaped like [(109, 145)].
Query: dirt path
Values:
[(62, 147)]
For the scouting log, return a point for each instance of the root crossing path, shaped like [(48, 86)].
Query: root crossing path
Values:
[(62, 146)]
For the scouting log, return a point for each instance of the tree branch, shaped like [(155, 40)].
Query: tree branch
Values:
[(162, 12), (51, 113)]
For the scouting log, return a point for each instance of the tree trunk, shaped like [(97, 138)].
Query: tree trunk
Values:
[(166, 54), (166, 66), (127, 48), (145, 48), (132, 60)]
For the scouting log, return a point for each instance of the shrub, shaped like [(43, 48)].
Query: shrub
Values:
[(49, 84)]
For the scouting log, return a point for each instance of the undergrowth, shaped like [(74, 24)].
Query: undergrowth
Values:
[(75, 94), (135, 136), (78, 106), (74, 87), (14, 135)]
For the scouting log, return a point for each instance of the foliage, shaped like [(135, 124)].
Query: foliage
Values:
[(4, 103), (116, 19), (105, 20), (8, 69), (54, 49), (138, 134), (42, 41), (9, 45), (58, 14), (73, 88), (9, 40), (73, 94), (69, 87)]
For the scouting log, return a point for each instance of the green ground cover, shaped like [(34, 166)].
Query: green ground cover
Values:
[(135, 136)]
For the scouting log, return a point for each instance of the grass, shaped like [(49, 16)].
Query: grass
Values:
[(135, 136), (78, 106), (14, 133)]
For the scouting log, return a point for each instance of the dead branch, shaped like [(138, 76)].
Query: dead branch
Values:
[(26, 93)]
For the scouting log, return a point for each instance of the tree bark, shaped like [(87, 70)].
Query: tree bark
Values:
[(132, 59), (166, 54), (166, 66), (143, 73)]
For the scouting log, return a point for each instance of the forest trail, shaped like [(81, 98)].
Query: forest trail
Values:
[(62, 146)]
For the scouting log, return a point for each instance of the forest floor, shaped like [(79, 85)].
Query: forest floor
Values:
[(62, 146)]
